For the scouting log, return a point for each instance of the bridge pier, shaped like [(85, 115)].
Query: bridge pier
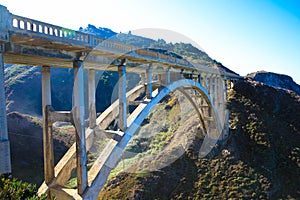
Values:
[(5, 160), (79, 121), (47, 126), (92, 98), (149, 82), (122, 124), (166, 77)]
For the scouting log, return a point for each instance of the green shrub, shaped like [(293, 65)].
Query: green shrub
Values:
[(13, 189)]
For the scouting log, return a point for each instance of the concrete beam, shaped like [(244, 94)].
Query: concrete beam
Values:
[(59, 116), (78, 117)]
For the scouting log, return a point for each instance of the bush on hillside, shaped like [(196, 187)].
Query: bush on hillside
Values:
[(13, 189)]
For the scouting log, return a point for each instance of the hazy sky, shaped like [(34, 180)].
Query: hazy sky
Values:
[(244, 35)]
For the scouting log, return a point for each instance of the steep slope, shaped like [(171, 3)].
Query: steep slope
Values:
[(26, 140), (261, 159)]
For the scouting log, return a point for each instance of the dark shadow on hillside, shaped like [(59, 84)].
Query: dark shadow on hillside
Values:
[(265, 126)]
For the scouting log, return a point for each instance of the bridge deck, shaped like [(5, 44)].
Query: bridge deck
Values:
[(32, 42)]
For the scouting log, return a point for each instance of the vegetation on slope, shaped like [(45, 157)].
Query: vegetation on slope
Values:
[(261, 159), (26, 141), (13, 189), (265, 123)]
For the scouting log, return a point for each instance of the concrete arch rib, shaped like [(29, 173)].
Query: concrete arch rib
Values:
[(113, 151)]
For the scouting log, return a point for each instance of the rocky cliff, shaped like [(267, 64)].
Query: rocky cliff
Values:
[(276, 80)]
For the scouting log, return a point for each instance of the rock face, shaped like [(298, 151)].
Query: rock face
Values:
[(276, 80)]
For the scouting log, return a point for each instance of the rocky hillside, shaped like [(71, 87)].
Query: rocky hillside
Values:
[(26, 140), (261, 159), (276, 80)]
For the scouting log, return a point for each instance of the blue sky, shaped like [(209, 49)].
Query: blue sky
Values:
[(244, 35)]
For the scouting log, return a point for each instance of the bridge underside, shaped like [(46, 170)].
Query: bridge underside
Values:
[(111, 154)]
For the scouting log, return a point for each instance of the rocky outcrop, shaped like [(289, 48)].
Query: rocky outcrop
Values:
[(276, 80)]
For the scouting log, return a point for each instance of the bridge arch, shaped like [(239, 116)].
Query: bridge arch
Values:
[(113, 151)]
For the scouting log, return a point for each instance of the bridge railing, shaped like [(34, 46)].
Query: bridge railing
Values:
[(27, 25), (30, 25)]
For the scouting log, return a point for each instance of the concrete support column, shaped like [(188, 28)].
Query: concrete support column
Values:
[(122, 97), (200, 79), (143, 78), (208, 82), (221, 99), (92, 98), (149, 82), (47, 126), (5, 161), (166, 78), (78, 117), (226, 89), (213, 90), (205, 81), (181, 74), (168, 74)]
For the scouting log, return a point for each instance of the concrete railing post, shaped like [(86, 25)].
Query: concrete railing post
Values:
[(78, 117)]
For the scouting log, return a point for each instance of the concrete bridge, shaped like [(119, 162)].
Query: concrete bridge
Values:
[(31, 42)]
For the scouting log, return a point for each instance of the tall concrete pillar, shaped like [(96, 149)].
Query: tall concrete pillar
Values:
[(92, 98), (168, 74), (122, 97), (78, 117), (143, 78), (200, 79), (208, 82), (5, 161), (226, 89), (221, 99), (205, 82), (47, 126), (166, 77), (211, 87), (182, 74), (149, 82)]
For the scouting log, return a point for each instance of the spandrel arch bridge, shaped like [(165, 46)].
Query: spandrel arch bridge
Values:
[(31, 42)]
